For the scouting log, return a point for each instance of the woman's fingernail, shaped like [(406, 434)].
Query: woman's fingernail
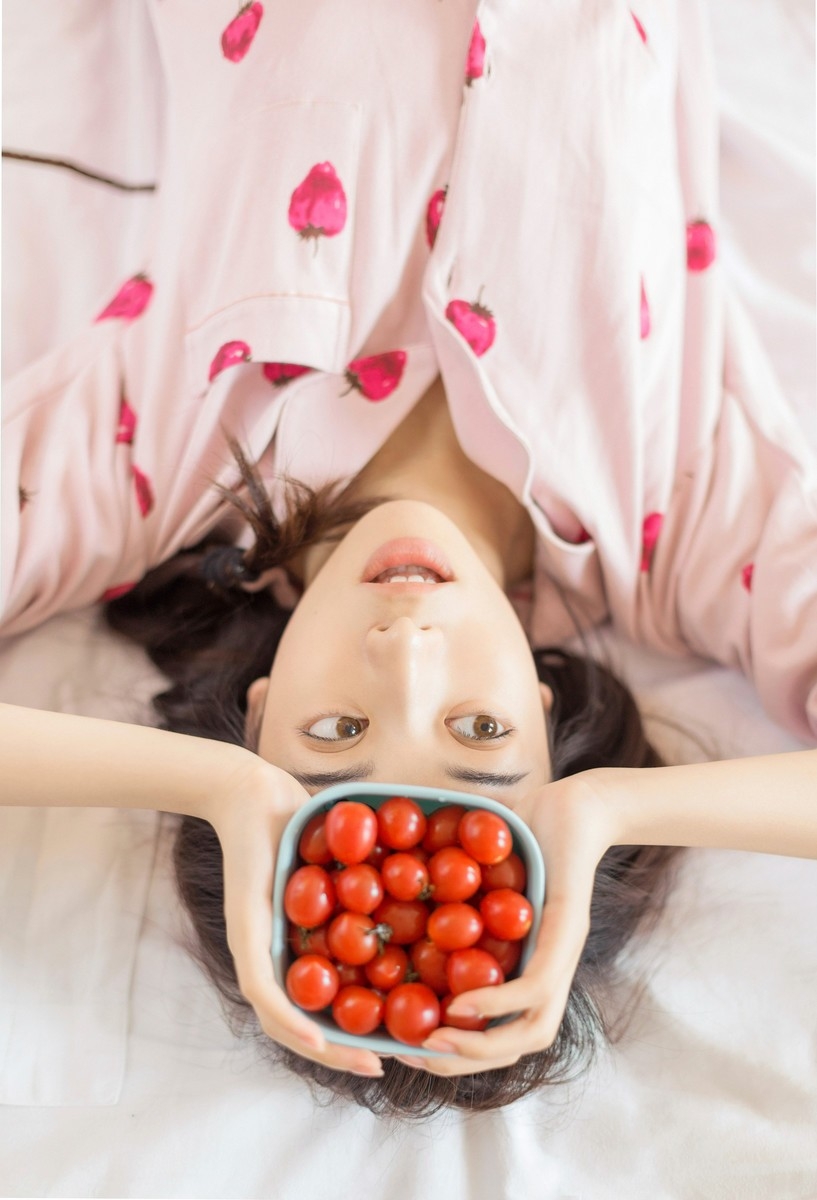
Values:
[(411, 1062), (368, 1072), (441, 1045), (464, 1010)]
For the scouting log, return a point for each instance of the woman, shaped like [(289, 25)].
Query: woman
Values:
[(495, 304)]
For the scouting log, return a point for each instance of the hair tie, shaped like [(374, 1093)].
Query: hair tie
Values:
[(224, 567)]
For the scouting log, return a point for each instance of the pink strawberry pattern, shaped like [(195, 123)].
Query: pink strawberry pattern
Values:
[(645, 314), (280, 374), (434, 214), (701, 249), (639, 27), (238, 36), (475, 323), (651, 529), (318, 205), (127, 423), (113, 593), (475, 62), (130, 301), (746, 576), (582, 537), (229, 355), (144, 491), (377, 376)]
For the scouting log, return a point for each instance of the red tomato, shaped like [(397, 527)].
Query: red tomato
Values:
[(454, 874), (378, 854), (412, 1013), (309, 896), (472, 968), (485, 836), (352, 938), (454, 926), (407, 919), (442, 826), (359, 888), (351, 831), (429, 962), (510, 873), (357, 1009), (312, 846), (312, 982), (507, 914), (404, 876), (347, 974), (308, 941), (388, 968), (401, 823), (507, 954), (447, 1018)]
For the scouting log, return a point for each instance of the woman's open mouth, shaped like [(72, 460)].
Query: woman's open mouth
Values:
[(412, 561)]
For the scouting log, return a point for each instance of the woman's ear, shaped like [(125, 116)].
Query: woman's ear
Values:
[(256, 699), (547, 696)]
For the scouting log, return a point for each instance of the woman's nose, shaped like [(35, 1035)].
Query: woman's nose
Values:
[(402, 639)]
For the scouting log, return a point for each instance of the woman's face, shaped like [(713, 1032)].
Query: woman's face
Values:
[(435, 687)]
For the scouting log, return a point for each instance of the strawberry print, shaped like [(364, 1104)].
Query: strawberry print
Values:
[(127, 423), (700, 245), (746, 576), (144, 492), (113, 593), (130, 301), (582, 537), (475, 323), (238, 36), (475, 63), (639, 27), (377, 376), (280, 374), (434, 214), (318, 205), (645, 313), (649, 536), (229, 355)]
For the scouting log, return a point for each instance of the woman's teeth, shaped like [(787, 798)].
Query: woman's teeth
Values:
[(408, 573)]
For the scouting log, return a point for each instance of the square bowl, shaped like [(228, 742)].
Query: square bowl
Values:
[(374, 795)]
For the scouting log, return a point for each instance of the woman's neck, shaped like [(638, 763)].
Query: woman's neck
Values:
[(423, 460)]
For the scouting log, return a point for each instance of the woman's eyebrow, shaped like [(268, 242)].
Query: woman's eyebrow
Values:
[(365, 770)]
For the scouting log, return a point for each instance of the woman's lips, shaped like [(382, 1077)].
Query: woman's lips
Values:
[(404, 552)]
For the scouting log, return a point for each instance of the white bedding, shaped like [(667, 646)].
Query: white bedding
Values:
[(118, 1075)]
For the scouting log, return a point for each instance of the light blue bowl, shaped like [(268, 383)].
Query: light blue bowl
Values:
[(375, 794)]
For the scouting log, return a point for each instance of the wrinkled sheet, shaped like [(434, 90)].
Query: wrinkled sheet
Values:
[(118, 1075)]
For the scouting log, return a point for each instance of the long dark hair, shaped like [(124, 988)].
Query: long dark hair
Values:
[(212, 640)]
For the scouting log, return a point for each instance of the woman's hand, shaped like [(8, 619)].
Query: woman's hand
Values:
[(574, 827), (249, 819)]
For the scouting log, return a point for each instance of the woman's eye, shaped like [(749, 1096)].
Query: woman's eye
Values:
[(336, 729), (484, 728)]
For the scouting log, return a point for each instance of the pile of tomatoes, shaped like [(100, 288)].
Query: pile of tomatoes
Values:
[(394, 913)]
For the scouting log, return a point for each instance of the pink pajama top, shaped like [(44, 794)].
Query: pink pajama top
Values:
[(354, 198)]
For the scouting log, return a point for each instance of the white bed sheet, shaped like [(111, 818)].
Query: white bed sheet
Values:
[(118, 1076)]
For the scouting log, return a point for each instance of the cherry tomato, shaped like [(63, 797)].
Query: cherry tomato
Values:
[(352, 938), (351, 831), (378, 854), (457, 1022), (485, 836), (309, 896), (308, 941), (429, 962), (507, 954), (347, 974), (454, 874), (510, 873), (407, 918), (359, 888), (472, 968), (507, 914), (441, 829), (388, 968), (412, 1013), (357, 1009), (312, 846), (312, 982), (404, 876), (401, 823), (454, 926)]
